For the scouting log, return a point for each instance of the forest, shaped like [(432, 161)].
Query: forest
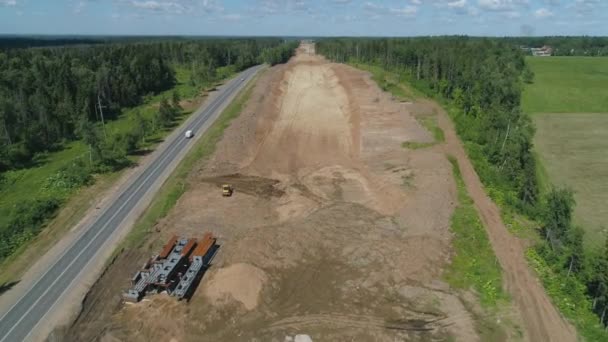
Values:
[(51, 96), (480, 81), (48, 94)]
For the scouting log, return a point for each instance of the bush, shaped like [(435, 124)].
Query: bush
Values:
[(17, 156), (26, 220), (71, 177)]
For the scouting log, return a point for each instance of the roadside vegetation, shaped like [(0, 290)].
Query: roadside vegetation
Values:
[(69, 115), (480, 82), (177, 184), (474, 265)]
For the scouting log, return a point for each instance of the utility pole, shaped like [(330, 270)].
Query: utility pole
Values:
[(103, 123)]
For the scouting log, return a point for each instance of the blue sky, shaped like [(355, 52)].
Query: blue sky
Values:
[(305, 17)]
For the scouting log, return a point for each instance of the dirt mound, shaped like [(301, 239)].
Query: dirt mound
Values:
[(312, 127), (241, 282)]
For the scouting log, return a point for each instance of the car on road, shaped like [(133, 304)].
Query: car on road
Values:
[(189, 134)]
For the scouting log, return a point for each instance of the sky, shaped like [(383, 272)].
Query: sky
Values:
[(305, 17)]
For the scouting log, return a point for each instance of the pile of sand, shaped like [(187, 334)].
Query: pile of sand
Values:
[(241, 282)]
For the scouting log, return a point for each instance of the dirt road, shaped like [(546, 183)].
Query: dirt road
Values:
[(542, 320), (334, 230)]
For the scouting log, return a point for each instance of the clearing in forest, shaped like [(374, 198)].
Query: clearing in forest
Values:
[(335, 230), (567, 85), (569, 106)]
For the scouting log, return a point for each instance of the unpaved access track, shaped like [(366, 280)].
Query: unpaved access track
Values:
[(542, 320), (334, 229)]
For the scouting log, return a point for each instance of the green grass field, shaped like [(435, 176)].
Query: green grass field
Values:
[(573, 149), (566, 101), (567, 85)]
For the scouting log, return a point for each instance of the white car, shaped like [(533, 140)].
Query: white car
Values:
[(189, 134)]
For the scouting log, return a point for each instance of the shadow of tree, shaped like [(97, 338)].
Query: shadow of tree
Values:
[(7, 286)]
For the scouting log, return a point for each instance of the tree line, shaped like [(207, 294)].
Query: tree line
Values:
[(50, 96), (481, 80), (565, 46), (580, 274)]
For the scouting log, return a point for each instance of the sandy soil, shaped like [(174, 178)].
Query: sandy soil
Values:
[(334, 231)]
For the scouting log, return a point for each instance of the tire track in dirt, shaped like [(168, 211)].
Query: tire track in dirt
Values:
[(542, 320)]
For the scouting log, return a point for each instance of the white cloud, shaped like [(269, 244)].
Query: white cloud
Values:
[(159, 6), (211, 6), (501, 5), (543, 13), (404, 11), (272, 7), (176, 7), (376, 10), (457, 4), (10, 3)]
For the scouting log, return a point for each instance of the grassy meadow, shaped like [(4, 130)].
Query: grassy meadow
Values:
[(573, 149), (568, 102), (567, 85)]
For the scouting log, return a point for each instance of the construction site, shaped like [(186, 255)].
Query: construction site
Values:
[(176, 270), (334, 230)]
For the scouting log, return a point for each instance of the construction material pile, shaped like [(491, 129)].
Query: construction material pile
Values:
[(176, 270)]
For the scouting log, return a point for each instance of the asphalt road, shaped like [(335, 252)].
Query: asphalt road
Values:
[(23, 317)]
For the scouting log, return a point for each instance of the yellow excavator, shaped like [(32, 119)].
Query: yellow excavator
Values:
[(227, 190)]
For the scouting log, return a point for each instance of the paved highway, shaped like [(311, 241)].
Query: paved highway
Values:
[(23, 317)]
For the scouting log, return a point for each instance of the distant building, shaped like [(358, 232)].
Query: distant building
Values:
[(544, 51)]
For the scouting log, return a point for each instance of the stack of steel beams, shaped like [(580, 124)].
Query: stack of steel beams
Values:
[(165, 272)]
